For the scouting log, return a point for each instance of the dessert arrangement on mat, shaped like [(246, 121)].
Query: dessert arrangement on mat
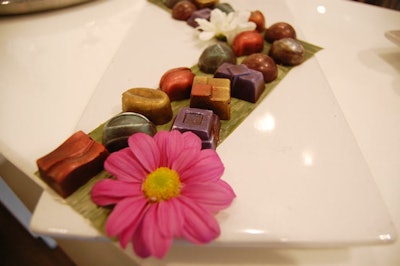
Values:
[(152, 174)]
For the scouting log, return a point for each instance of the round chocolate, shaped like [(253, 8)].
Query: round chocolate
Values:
[(248, 42), (287, 51), (279, 31), (225, 7), (118, 129), (152, 103), (183, 10), (214, 56), (264, 64)]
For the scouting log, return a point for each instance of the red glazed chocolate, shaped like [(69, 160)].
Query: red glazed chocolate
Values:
[(72, 164), (279, 31), (183, 10), (248, 42), (258, 18), (176, 83), (264, 64)]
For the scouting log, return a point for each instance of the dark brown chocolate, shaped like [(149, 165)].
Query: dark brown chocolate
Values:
[(263, 63), (72, 164)]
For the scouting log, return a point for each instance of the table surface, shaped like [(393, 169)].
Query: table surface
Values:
[(48, 58)]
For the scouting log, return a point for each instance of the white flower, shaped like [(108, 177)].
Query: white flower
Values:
[(224, 25)]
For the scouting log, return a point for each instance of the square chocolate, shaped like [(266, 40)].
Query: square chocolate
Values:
[(246, 84), (204, 123), (212, 93)]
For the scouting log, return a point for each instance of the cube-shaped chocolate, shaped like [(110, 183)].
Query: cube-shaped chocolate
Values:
[(204, 123), (212, 93), (72, 164), (246, 84)]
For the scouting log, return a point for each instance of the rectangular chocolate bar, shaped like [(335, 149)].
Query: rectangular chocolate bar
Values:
[(72, 164)]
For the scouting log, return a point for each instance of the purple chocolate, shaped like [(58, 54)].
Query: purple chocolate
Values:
[(246, 84), (203, 13), (204, 123)]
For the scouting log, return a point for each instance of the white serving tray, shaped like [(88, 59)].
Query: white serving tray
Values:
[(299, 175)]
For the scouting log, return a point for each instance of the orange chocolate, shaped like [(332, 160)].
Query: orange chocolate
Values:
[(212, 93), (72, 164)]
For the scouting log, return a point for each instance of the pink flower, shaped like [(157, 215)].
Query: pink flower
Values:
[(165, 187)]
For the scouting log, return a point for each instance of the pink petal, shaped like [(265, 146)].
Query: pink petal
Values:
[(108, 191), (200, 225), (208, 167), (213, 196), (170, 217), (186, 160), (139, 246), (174, 146), (126, 214), (161, 139), (191, 140), (145, 151), (156, 243), (124, 166)]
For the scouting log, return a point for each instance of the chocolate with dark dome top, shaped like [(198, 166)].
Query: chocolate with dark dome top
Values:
[(279, 31), (264, 64), (119, 128), (214, 56)]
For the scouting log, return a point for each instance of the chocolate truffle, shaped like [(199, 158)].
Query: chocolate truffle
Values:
[(152, 103), (118, 129), (225, 7), (263, 63), (212, 93), (205, 3), (203, 13), (279, 31), (214, 56), (72, 164), (204, 123), (248, 42), (246, 84), (183, 10), (287, 51), (177, 83)]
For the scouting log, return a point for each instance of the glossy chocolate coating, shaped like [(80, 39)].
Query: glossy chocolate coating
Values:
[(258, 18), (183, 10), (204, 123), (279, 31), (72, 164), (203, 13), (264, 64), (205, 3), (287, 51), (246, 84), (214, 56), (171, 3), (153, 104), (225, 7), (248, 42), (118, 129), (177, 83), (212, 93)]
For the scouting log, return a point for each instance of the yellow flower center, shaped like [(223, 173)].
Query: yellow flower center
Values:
[(162, 184)]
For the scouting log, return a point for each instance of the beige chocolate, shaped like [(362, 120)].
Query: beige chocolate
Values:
[(152, 103), (212, 93)]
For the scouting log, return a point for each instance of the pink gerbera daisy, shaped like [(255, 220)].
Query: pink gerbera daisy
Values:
[(165, 186)]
